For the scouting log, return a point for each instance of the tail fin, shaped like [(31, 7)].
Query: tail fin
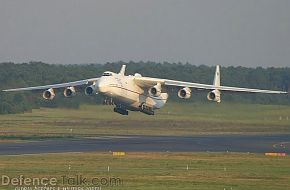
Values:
[(217, 77), (122, 71)]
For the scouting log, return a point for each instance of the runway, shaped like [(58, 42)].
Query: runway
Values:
[(252, 144)]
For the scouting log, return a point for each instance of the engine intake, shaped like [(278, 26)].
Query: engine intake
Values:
[(214, 95), (155, 90), (184, 93), (69, 92), (91, 90), (48, 94)]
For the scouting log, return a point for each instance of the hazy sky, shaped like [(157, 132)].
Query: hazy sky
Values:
[(226, 32)]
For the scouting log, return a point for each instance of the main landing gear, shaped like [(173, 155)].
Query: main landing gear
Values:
[(120, 110), (146, 109), (143, 108)]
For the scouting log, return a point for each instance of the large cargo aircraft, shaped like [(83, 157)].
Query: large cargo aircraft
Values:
[(138, 93)]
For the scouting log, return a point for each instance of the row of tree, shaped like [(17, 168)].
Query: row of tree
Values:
[(36, 73)]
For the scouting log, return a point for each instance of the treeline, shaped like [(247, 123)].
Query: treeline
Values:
[(37, 73)]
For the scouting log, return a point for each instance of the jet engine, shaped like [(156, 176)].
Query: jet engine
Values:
[(91, 90), (155, 90), (214, 95), (48, 94), (69, 92), (184, 93)]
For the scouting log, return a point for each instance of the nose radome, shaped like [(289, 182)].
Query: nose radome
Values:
[(101, 86)]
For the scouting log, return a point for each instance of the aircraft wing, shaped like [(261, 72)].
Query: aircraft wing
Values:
[(60, 85), (221, 88), (150, 82)]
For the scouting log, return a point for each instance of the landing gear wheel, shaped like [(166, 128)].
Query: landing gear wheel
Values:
[(146, 109), (121, 111)]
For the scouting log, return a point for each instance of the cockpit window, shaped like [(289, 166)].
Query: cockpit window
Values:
[(107, 74)]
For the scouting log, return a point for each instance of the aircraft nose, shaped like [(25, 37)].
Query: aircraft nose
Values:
[(101, 86)]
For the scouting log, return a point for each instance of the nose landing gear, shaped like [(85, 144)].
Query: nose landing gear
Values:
[(108, 101)]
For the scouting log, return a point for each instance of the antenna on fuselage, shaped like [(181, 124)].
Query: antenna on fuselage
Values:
[(122, 71)]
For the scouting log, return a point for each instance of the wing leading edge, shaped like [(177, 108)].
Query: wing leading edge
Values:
[(221, 88), (60, 85), (149, 82)]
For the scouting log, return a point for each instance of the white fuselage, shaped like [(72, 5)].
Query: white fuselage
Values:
[(124, 91)]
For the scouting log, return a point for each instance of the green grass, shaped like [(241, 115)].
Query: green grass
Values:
[(173, 119), (206, 171), (152, 171)]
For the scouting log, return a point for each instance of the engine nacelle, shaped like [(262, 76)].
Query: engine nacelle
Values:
[(91, 90), (214, 95), (48, 94), (184, 93), (155, 90), (69, 92)]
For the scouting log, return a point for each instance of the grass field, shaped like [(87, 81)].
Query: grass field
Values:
[(150, 171), (206, 171), (173, 119)]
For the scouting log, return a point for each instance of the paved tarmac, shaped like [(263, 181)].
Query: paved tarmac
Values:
[(233, 143)]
